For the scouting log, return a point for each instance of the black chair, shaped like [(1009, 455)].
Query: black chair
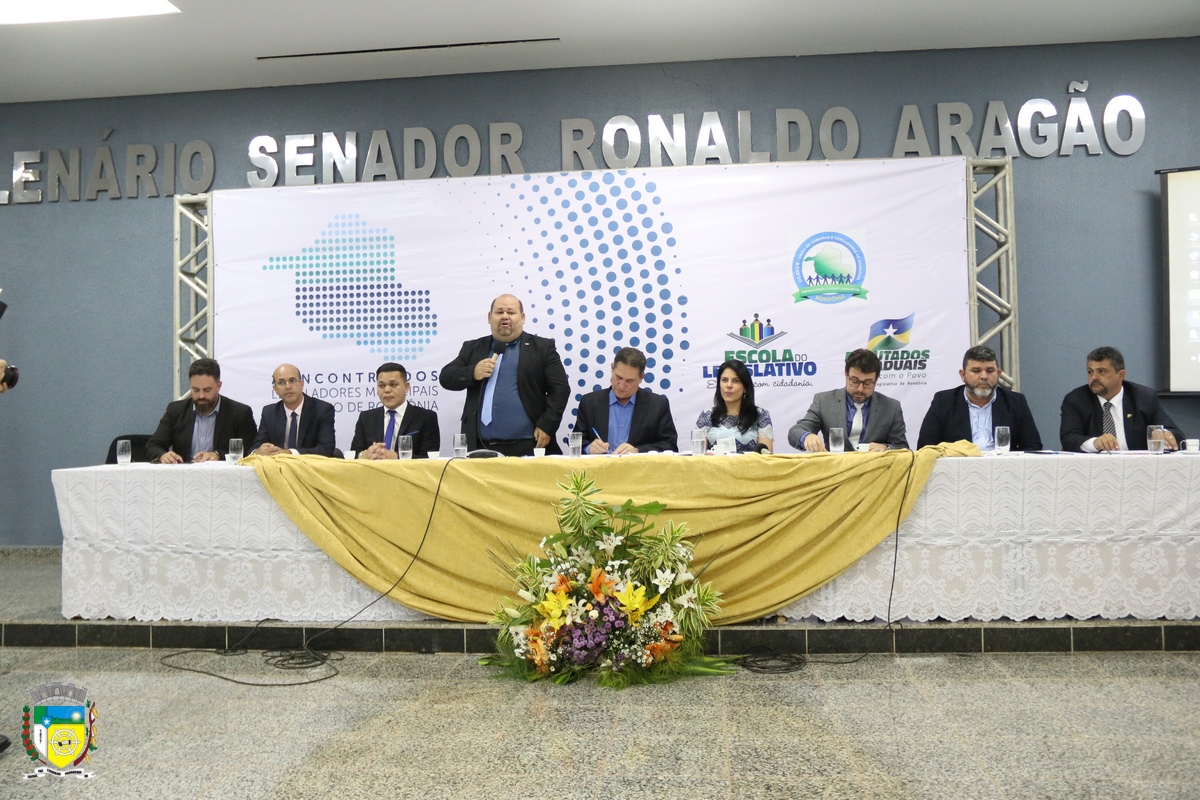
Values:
[(137, 443)]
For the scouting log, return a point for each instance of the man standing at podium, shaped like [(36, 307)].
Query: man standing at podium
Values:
[(198, 428), (515, 382), (378, 430), (298, 423)]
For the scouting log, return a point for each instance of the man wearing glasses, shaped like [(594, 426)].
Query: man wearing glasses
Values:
[(298, 423), (868, 418), (974, 410)]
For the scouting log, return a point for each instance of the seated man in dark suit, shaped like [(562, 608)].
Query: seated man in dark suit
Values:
[(1084, 427), (378, 430), (297, 423), (973, 411), (198, 428), (625, 418), (864, 415)]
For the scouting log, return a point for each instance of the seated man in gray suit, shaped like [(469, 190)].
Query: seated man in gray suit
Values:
[(866, 416)]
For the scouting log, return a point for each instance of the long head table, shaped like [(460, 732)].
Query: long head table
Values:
[(1020, 536)]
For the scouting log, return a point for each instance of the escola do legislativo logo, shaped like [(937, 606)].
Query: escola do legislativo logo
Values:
[(59, 730), (829, 268)]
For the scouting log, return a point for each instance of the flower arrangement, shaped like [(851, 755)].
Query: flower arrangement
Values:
[(610, 595)]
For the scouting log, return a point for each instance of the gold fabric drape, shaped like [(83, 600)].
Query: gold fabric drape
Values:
[(774, 527)]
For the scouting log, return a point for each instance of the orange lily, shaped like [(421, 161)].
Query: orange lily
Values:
[(563, 585), (600, 584)]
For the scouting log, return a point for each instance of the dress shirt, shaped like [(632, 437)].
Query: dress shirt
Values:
[(203, 429), (981, 421), (620, 417), (1118, 418)]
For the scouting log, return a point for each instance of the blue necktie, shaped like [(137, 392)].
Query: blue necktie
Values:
[(489, 392), (292, 429), (391, 429)]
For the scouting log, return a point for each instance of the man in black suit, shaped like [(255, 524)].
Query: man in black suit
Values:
[(515, 382), (973, 411), (1130, 407), (198, 428), (626, 418), (298, 423), (378, 430)]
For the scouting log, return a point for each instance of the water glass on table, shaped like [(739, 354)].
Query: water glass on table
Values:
[(575, 444), (699, 441), (837, 440), (1156, 439), (1003, 439), (460, 445), (405, 449), (124, 451), (235, 451)]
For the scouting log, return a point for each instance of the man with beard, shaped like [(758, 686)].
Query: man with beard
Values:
[(864, 415), (975, 410), (198, 428), (1111, 413)]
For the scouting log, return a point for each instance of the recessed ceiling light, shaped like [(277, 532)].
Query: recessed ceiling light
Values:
[(31, 11)]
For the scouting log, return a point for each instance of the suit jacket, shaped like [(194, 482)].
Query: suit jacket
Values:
[(234, 421), (1082, 416), (651, 428), (419, 423), (316, 433), (885, 423), (948, 420), (541, 384)]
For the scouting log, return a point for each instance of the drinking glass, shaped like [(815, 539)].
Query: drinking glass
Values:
[(575, 444), (235, 451), (1156, 439), (699, 441), (837, 440), (460, 445), (124, 451), (406, 445), (1003, 439)]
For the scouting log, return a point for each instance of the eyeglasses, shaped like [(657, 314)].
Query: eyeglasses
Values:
[(856, 383), (283, 383)]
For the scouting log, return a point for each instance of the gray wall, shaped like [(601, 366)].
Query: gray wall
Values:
[(89, 283)]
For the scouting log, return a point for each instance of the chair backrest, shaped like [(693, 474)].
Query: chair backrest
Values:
[(137, 443)]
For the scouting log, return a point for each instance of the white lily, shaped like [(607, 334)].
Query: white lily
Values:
[(663, 579), (687, 599), (610, 543), (683, 577)]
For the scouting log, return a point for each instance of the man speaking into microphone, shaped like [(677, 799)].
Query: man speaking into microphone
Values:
[(515, 382)]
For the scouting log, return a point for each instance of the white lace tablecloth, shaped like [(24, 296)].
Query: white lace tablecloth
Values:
[(1027, 535), (1016, 537)]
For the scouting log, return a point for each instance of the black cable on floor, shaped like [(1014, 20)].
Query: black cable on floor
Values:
[(896, 552), (305, 657)]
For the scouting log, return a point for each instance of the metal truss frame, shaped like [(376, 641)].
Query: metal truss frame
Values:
[(193, 285), (992, 258)]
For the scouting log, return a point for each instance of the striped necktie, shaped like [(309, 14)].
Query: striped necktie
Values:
[(1110, 427)]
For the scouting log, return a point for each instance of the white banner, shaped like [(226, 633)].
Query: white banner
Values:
[(786, 266)]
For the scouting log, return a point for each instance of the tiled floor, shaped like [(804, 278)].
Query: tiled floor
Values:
[(1119, 725)]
